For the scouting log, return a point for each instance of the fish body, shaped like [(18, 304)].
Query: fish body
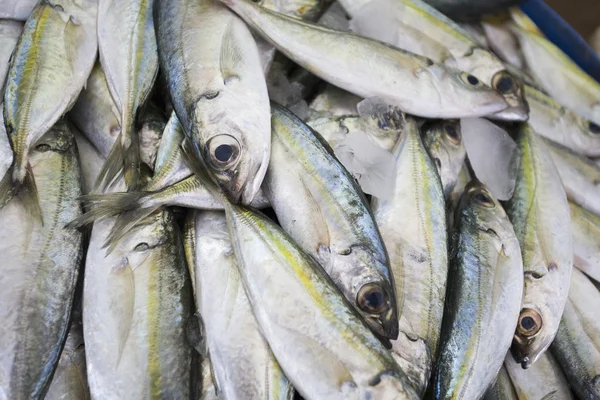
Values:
[(70, 379), (137, 300), (543, 380), (484, 297), (415, 26), (413, 83), (333, 102), (413, 226), (305, 177), (219, 91), (575, 346), (39, 274), (243, 365), (49, 68), (555, 122), (503, 389), (541, 218), (585, 227)]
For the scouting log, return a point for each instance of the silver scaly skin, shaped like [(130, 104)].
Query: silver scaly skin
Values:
[(503, 389), (483, 299), (219, 93), (540, 214), (413, 226), (305, 177), (543, 380), (585, 227), (243, 365), (576, 343), (415, 84), (40, 269)]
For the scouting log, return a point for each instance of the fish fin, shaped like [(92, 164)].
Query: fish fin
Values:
[(28, 194), (112, 166), (231, 55), (124, 224), (107, 205), (123, 160), (123, 286), (191, 155), (131, 161), (6, 188), (73, 35)]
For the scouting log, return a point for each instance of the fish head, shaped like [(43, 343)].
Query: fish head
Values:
[(234, 142), (532, 337), (464, 92), (443, 140), (590, 133), (369, 287)]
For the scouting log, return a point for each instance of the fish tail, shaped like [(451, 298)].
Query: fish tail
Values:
[(107, 205), (125, 223), (21, 183), (123, 160), (131, 160)]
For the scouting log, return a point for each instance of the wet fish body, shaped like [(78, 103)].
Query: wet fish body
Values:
[(543, 380)]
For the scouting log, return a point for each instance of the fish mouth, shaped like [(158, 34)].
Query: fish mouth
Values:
[(254, 180), (519, 113), (385, 325)]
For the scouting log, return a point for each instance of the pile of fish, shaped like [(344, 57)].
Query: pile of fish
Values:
[(281, 199)]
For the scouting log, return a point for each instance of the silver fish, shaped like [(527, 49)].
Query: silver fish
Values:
[(483, 297), (585, 227), (540, 215), (39, 273), (340, 233), (219, 91), (395, 76), (503, 389), (543, 380), (333, 102)]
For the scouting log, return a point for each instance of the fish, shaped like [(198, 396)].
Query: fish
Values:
[(560, 77), (443, 141), (70, 379), (137, 346), (333, 102), (151, 124), (130, 70), (17, 9), (580, 176), (575, 346), (39, 274), (415, 84), (503, 41), (90, 159), (219, 92), (503, 389), (415, 26), (541, 218), (95, 113), (413, 228), (10, 31), (323, 329), (561, 125), (543, 380), (485, 284), (304, 177), (471, 10), (48, 69), (244, 366), (585, 227)]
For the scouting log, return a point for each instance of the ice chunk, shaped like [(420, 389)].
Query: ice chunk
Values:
[(373, 167), (335, 18), (300, 109), (333, 101), (281, 90), (492, 154)]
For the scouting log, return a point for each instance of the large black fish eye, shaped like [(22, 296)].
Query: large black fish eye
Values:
[(527, 323), (372, 299), (452, 132), (504, 83), (483, 199), (530, 322), (223, 153), (472, 80), (594, 128)]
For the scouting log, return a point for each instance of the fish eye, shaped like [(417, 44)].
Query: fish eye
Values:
[(141, 247), (42, 147), (452, 132), (504, 83), (223, 151), (470, 80), (210, 95), (530, 322), (594, 128), (482, 198), (372, 299)]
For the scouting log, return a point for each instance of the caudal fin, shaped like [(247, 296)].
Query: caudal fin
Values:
[(122, 161), (26, 192), (107, 205), (125, 223)]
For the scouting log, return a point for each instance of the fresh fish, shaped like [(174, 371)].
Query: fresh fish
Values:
[(412, 224), (333, 102), (469, 10), (10, 31), (503, 41), (369, 68), (541, 218), (306, 320), (90, 159), (95, 113), (309, 10), (48, 69), (151, 124), (6, 154), (543, 380), (242, 362), (555, 122), (70, 379), (443, 141), (560, 77), (305, 178), (17, 9), (464, 177), (483, 297), (130, 73), (415, 26), (219, 91), (503, 389), (40, 268), (580, 176), (585, 227), (136, 346), (575, 346)]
